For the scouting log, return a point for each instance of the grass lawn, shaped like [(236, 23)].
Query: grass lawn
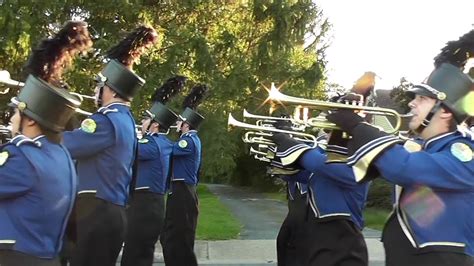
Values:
[(375, 218), (215, 221)]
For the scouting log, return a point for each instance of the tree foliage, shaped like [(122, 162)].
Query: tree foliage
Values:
[(399, 95), (236, 47)]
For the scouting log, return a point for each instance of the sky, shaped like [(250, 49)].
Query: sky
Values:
[(393, 38)]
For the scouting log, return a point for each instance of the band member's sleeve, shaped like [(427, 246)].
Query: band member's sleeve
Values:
[(300, 177), (95, 134), (183, 146), (366, 145), (438, 170), (16, 174), (314, 160), (147, 149)]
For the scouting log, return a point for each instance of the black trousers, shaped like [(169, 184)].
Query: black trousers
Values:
[(100, 231), (336, 242), (145, 217), (292, 238), (399, 250), (15, 258), (179, 230)]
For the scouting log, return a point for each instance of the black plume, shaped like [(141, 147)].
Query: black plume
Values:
[(53, 55), (195, 97), (169, 89), (457, 52), (129, 50)]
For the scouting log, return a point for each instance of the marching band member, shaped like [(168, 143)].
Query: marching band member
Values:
[(432, 221), (146, 212), (179, 230), (37, 175), (104, 147), (48, 61), (292, 236), (334, 229), (292, 241)]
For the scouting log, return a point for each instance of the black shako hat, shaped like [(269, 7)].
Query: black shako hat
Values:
[(190, 104), (120, 79), (447, 84), (118, 73), (191, 117), (50, 106), (162, 115)]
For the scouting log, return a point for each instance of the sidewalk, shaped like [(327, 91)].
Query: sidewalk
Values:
[(261, 218), (254, 252)]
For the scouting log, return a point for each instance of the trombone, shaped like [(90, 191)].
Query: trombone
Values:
[(322, 122), (268, 131)]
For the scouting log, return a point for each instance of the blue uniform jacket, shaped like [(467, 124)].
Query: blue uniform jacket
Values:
[(37, 192), (333, 191), (104, 148), (186, 158), (154, 152), (436, 204), (294, 186)]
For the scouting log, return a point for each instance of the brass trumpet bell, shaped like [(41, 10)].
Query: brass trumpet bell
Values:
[(380, 114), (262, 131), (6, 79)]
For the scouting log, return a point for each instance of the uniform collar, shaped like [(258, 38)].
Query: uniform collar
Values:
[(152, 133), (116, 104), (437, 139), (22, 139), (190, 132)]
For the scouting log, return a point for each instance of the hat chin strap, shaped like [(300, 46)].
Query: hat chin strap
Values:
[(20, 126), (428, 117), (149, 126), (99, 97)]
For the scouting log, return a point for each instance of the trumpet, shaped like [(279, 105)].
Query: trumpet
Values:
[(81, 98), (6, 79), (258, 139), (266, 121), (260, 155), (322, 122), (263, 138), (269, 131)]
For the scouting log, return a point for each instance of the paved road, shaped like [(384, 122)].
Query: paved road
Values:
[(261, 217)]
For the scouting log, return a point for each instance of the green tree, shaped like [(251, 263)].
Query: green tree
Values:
[(236, 47), (399, 95)]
